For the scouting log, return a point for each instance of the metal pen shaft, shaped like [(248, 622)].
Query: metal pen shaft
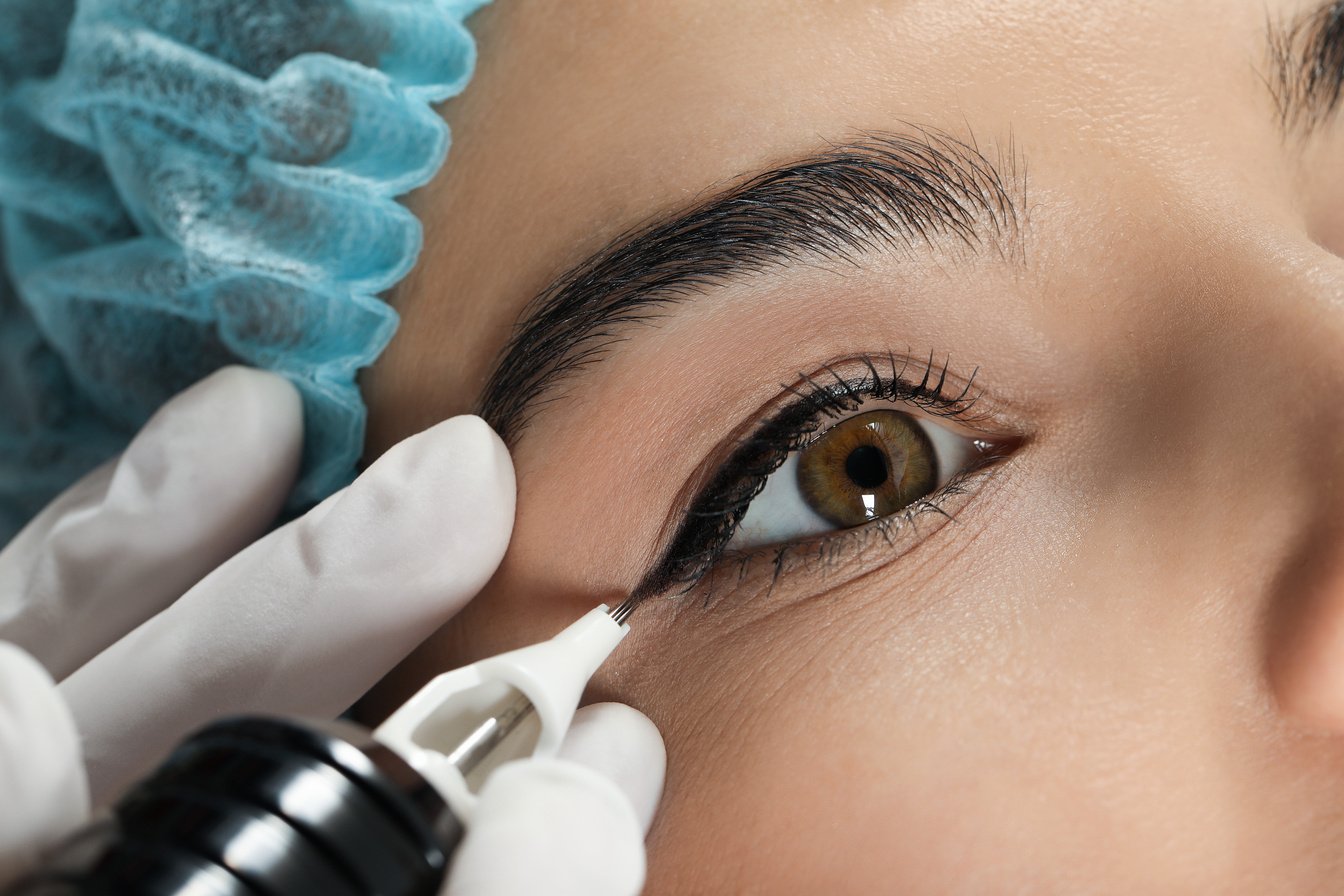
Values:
[(505, 717), (490, 732)]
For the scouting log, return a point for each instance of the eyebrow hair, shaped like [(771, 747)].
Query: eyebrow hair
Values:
[(1306, 76), (885, 191)]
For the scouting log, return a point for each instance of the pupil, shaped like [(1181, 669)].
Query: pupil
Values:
[(866, 466)]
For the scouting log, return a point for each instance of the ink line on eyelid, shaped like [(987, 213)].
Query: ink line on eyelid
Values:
[(712, 516)]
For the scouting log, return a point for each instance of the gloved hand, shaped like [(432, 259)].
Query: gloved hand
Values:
[(571, 826), (138, 592)]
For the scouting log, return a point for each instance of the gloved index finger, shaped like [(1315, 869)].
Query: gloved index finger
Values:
[(305, 620), (204, 477)]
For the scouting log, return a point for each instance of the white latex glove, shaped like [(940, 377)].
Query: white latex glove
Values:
[(42, 786), (118, 590), (572, 826)]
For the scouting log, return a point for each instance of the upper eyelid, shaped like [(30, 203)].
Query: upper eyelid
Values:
[(928, 418), (907, 190), (948, 394)]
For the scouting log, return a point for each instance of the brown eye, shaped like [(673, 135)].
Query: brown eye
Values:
[(867, 467)]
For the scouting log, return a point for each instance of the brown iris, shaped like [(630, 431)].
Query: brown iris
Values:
[(867, 467)]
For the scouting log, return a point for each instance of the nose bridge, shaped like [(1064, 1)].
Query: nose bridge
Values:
[(1305, 282), (1281, 347), (1231, 420), (1287, 311)]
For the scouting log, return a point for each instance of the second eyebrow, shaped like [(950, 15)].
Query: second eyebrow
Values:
[(1306, 74), (886, 191)]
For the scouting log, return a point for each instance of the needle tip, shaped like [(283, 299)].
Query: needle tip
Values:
[(623, 611)]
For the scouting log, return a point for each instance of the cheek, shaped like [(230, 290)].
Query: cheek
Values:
[(1014, 731), (806, 756), (810, 772), (814, 745)]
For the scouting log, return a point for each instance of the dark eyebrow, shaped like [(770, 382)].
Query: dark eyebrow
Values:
[(1306, 73), (885, 191)]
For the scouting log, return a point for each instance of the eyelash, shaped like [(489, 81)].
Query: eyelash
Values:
[(714, 515)]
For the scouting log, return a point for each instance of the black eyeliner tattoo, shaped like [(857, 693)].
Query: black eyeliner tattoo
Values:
[(715, 513)]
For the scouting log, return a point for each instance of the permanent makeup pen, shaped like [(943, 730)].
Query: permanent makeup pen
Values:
[(280, 807)]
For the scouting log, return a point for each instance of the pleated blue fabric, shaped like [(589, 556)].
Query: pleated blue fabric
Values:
[(186, 184)]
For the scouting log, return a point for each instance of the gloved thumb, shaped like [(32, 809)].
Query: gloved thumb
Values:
[(620, 743), (572, 825)]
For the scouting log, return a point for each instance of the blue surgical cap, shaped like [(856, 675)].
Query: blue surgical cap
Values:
[(186, 184)]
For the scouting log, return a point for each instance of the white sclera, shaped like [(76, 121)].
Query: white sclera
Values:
[(779, 514)]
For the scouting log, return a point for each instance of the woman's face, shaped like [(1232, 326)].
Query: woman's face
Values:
[(1110, 658)]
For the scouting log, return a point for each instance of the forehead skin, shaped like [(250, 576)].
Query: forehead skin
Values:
[(1065, 691), (585, 118)]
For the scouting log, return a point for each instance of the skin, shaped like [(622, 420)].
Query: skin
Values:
[(1121, 669)]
